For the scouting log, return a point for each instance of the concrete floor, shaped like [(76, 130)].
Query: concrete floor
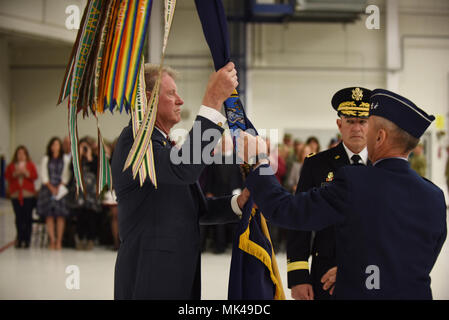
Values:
[(43, 274)]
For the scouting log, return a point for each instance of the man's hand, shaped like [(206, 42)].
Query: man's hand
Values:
[(250, 147), (243, 198), (302, 292), (329, 279), (220, 87)]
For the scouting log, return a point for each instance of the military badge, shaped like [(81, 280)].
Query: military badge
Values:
[(330, 177), (357, 94)]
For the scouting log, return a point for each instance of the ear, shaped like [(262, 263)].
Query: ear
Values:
[(339, 123), (381, 137)]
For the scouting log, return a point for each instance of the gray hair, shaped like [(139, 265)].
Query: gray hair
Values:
[(398, 137), (152, 72)]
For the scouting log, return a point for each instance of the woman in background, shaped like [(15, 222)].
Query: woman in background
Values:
[(88, 205), (51, 204), (295, 172), (21, 174)]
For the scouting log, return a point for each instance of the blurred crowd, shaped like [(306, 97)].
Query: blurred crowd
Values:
[(89, 219), (70, 221)]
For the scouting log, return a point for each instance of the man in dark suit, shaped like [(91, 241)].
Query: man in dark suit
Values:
[(390, 222), (223, 178), (352, 106), (159, 254)]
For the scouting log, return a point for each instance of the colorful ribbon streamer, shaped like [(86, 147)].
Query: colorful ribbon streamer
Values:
[(142, 141), (103, 69)]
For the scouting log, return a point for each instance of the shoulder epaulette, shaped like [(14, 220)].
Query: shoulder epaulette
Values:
[(311, 155)]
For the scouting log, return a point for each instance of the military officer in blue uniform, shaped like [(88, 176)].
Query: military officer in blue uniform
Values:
[(390, 222), (352, 106)]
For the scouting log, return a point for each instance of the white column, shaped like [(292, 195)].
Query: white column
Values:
[(5, 100), (393, 45), (156, 32)]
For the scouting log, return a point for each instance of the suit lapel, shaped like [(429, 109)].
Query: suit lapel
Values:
[(195, 188), (158, 136)]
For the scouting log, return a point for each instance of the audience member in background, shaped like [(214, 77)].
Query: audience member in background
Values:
[(287, 142), (293, 178), (110, 201), (314, 144), (51, 202), (446, 172), (21, 174), (88, 205), (66, 147), (333, 142), (281, 164), (418, 160), (291, 159)]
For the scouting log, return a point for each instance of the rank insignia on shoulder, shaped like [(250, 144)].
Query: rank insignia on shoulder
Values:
[(337, 157), (311, 155), (330, 176)]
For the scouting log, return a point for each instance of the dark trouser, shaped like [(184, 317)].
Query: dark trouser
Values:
[(86, 224), (320, 266), (23, 219)]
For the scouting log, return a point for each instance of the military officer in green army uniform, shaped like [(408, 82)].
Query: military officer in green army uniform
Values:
[(305, 282)]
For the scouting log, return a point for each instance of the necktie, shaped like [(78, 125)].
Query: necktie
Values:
[(356, 160), (171, 142)]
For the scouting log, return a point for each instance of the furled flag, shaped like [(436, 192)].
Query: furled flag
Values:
[(254, 273)]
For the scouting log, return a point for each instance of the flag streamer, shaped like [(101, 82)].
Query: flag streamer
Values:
[(103, 71), (142, 141)]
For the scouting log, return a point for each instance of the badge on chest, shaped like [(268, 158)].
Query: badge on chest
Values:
[(329, 178)]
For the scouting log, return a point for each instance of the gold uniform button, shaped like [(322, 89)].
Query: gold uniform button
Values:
[(220, 124), (316, 254)]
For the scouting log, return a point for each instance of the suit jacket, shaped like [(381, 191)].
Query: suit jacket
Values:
[(223, 178), (159, 254), (317, 170), (390, 226)]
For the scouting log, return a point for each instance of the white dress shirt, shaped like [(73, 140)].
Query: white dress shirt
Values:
[(363, 154)]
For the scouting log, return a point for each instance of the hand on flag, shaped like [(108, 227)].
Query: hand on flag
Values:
[(251, 149), (220, 87)]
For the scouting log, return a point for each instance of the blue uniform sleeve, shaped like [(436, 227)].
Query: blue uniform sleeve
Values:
[(313, 210)]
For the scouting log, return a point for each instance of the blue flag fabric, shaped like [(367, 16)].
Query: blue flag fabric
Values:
[(251, 275), (215, 29)]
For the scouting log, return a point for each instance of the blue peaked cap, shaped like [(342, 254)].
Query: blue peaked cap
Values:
[(401, 111)]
